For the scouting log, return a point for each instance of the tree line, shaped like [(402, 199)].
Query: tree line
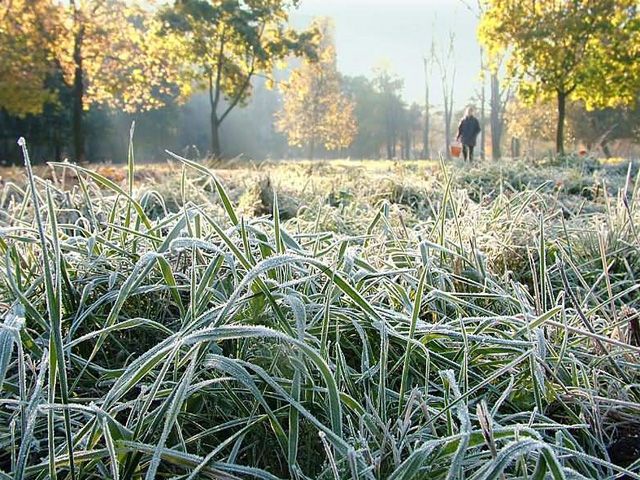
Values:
[(74, 74), (62, 58)]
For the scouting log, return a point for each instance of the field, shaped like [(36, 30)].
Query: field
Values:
[(329, 320)]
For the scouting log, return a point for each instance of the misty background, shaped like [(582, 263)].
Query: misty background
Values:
[(390, 36), (406, 45)]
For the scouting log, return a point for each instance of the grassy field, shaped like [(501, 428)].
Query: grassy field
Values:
[(329, 320)]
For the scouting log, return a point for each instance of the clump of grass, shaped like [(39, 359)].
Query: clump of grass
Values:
[(197, 343)]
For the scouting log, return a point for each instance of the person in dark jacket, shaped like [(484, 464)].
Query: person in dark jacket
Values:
[(468, 131)]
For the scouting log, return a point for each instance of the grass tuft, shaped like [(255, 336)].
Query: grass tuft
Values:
[(404, 321)]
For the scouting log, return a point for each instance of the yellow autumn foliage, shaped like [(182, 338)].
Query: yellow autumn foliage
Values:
[(316, 111)]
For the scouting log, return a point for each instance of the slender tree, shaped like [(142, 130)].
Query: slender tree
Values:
[(483, 132), (499, 97), (223, 44), (388, 87), (446, 65), (428, 61)]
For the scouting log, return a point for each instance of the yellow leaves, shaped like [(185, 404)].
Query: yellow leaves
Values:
[(270, 83), (559, 45), (24, 67), (315, 111), (124, 62)]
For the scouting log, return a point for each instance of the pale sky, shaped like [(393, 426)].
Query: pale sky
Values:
[(399, 32)]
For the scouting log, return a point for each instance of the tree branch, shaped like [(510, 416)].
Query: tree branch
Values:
[(216, 99), (238, 96)]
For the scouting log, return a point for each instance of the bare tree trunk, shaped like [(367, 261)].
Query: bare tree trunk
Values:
[(407, 144), (215, 135), (497, 115), (214, 122), (4, 149), (78, 92), (426, 151), (214, 101), (390, 137), (448, 76), (447, 131), (394, 141), (448, 99), (312, 148), (562, 101), (482, 107)]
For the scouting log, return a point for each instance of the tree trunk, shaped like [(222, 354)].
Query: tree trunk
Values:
[(448, 116), (482, 109), (214, 96), (215, 135), (426, 153), (605, 148), (407, 145), (394, 146), (312, 148), (57, 143), (78, 97), (515, 147), (496, 118), (4, 150), (562, 100), (447, 130)]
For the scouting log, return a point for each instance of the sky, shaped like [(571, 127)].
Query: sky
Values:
[(398, 33)]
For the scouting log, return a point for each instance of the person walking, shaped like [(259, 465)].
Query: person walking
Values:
[(468, 131)]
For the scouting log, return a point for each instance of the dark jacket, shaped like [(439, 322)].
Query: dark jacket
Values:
[(468, 130)]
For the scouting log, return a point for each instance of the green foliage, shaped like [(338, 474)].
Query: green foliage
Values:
[(220, 45), (369, 113), (388, 87), (568, 46), (579, 49)]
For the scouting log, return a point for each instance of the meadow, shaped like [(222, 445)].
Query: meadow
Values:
[(320, 320)]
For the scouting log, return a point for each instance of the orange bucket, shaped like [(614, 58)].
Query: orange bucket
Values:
[(455, 149)]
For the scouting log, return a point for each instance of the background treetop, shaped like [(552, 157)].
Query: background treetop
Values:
[(222, 44), (572, 48)]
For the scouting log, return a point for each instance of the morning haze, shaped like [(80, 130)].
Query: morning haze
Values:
[(399, 34)]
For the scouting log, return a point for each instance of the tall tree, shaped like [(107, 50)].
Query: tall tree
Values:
[(447, 68), (369, 112), (411, 118), (483, 90), (106, 52), (110, 54), (579, 49), (498, 101), (388, 87), (483, 77), (498, 97), (224, 43), (428, 61), (316, 111)]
